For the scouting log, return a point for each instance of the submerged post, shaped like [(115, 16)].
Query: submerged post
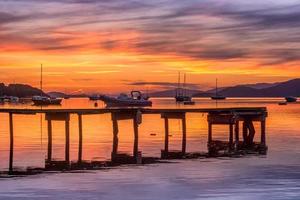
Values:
[(49, 151), (209, 132), (80, 138), (11, 148), (115, 138), (166, 135), (136, 138), (230, 135), (67, 147), (263, 132), (237, 130), (183, 135)]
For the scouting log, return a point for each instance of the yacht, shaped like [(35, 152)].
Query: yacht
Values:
[(136, 99)]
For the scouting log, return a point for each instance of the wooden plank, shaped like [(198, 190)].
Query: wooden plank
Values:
[(221, 119), (58, 116), (173, 115)]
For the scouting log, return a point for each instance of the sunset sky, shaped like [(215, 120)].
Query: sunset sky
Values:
[(119, 45)]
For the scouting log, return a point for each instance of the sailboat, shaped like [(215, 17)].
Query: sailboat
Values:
[(217, 96), (41, 100), (180, 92)]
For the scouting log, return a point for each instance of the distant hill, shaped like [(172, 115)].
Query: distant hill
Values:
[(63, 95), (57, 94), (261, 85), (19, 90), (171, 93), (288, 88)]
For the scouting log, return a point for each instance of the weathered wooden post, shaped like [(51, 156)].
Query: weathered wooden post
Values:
[(263, 131), (237, 130), (245, 131), (80, 138), (49, 152), (166, 151), (136, 138), (230, 135), (115, 137), (11, 148), (183, 135), (209, 132), (67, 146)]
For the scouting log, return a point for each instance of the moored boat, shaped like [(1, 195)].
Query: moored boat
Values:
[(181, 92), (44, 101), (217, 96), (123, 100), (40, 100), (291, 99)]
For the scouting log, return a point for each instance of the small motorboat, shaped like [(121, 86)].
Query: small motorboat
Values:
[(123, 100), (291, 99), (45, 101)]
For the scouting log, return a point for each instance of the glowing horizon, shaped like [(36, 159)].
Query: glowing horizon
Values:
[(89, 46)]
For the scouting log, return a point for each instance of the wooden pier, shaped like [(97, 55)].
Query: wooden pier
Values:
[(230, 117)]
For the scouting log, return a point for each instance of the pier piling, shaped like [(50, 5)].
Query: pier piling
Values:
[(49, 150), (80, 138), (11, 146)]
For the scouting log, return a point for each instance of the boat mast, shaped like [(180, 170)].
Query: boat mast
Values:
[(184, 84), (216, 87), (178, 87), (41, 80)]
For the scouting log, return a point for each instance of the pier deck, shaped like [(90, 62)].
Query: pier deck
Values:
[(231, 117)]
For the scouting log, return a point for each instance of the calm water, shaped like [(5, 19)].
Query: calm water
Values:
[(274, 176)]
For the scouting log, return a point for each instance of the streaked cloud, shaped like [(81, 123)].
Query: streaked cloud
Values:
[(258, 38)]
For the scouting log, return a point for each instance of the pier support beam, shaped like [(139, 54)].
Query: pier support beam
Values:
[(115, 139), (209, 139), (136, 138), (166, 153), (49, 150), (166, 136), (67, 146), (236, 133), (231, 135), (263, 132), (11, 146), (183, 135), (80, 138)]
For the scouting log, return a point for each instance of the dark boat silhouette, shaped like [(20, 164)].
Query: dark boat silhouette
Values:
[(42, 100), (123, 100), (291, 99), (45, 101), (181, 92), (217, 96)]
